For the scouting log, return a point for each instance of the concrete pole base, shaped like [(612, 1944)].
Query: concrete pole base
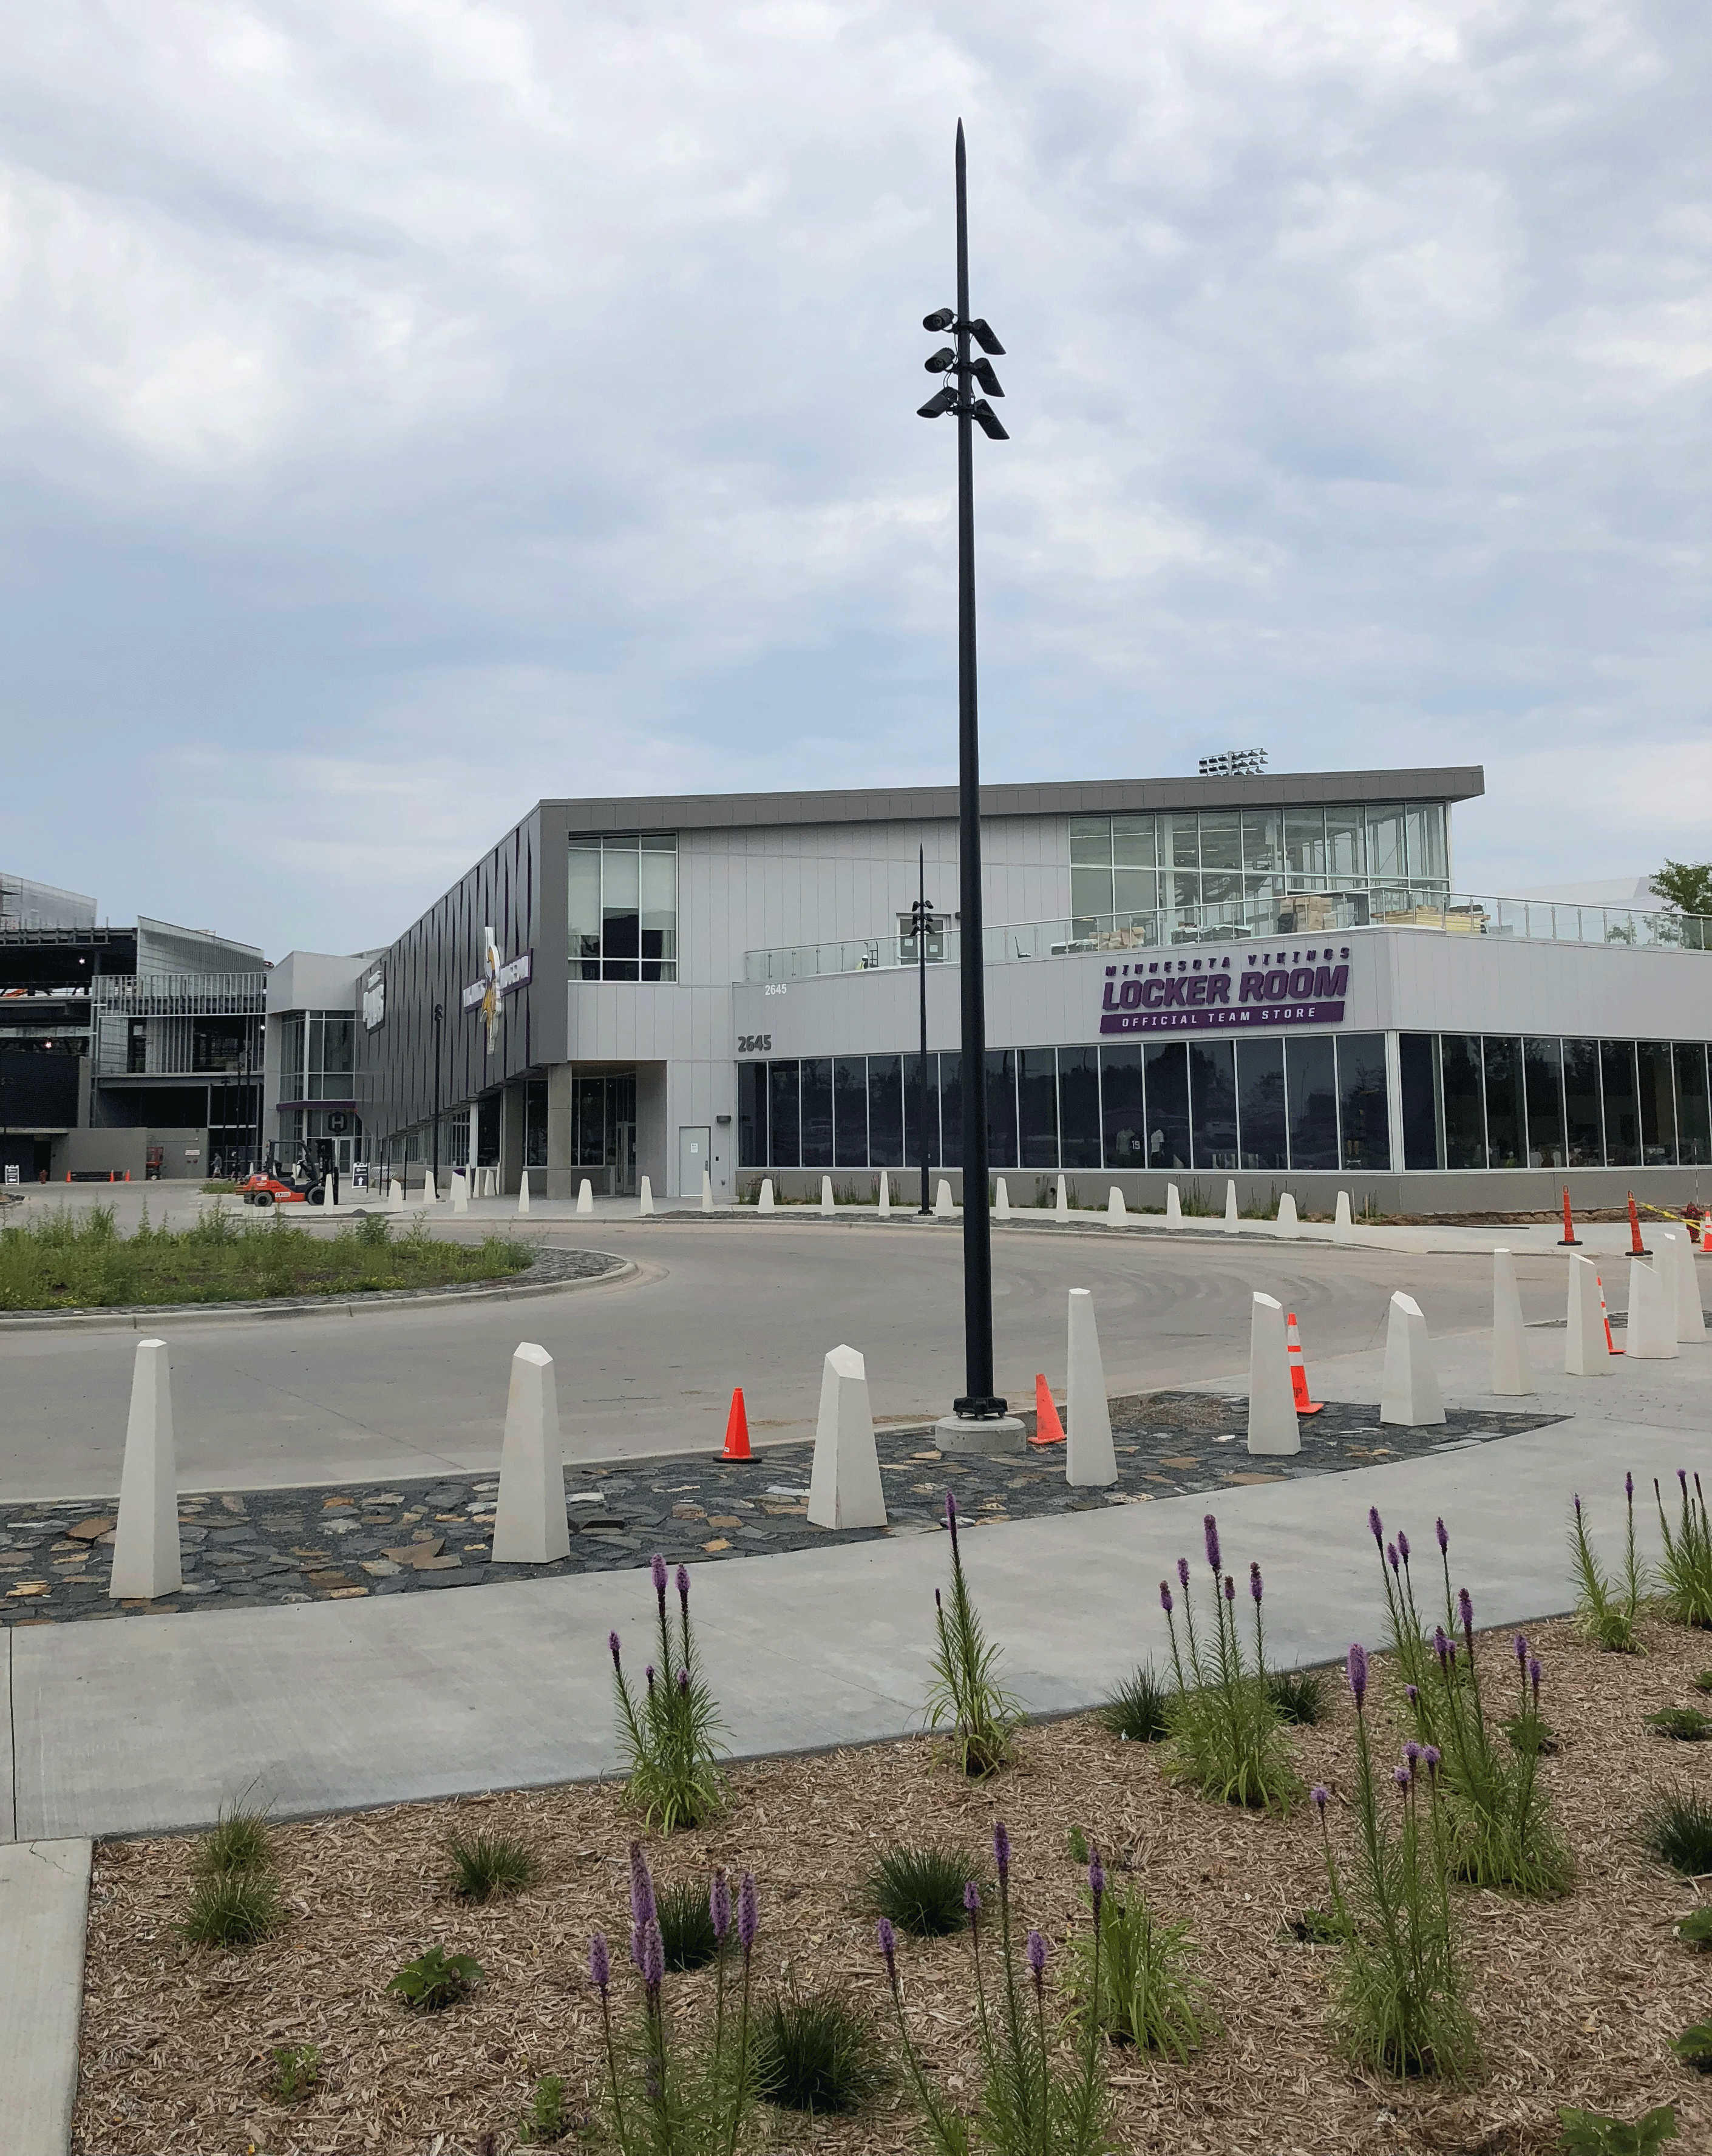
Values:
[(990, 1434)]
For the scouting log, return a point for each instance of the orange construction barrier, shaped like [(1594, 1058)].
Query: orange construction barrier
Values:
[(1637, 1249), (1299, 1369), (737, 1428), (1048, 1429), (1611, 1347), (1569, 1240)]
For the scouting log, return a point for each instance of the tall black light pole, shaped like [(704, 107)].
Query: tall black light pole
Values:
[(979, 1402), (440, 1011), (920, 918)]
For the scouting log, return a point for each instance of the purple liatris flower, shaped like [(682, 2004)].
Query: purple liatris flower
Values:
[(971, 1898), (951, 1520), (1374, 1528), (1521, 1644), (1628, 1487), (1401, 1777), (1444, 1537), (653, 1955), (599, 1963), (1183, 1573), (1412, 1693), (657, 1570), (1210, 1527), (1001, 1850), (683, 1684), (1166, 1597), (1402, 1546), (1430, 1758), (1391, 1555), (748, 1912), (1097, 1883), (649, 1674), (1412, 1751), (612, 1647), (1533, 1678), (939, 1601), (1441, 1645), (1254, 1584), (1682, 1478), (1322, 1797), (642, 1907), (1230, 1588), (1358, 1673), (1465, 1610), (1576, 1503), (1035, 1950), (719, 1904), (683, 1587), (887, 1942)]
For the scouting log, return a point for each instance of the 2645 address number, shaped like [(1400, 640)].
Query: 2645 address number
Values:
[(754, 1043)]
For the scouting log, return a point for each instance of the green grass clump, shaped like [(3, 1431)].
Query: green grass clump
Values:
[(1148, 1993), (435, 1980), (237, 1842), (965, 1697), (1298, 1695), (1685, 1570), (919, 1887), (296, 2070), (1606, 1609), (1227, 1734), (1315, 1928), (1591, 2134), (814, 2054), (1137, 1712), (1677, 1830), (1704, 1681), (1687, 1724), (687, 1925), (668, 1733), (549, 2118), (232, 1909), (486, 1864)]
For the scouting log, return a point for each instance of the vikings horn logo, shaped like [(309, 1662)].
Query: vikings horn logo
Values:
[(490, 992)]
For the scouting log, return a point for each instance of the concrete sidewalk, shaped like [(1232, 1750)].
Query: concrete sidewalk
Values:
[(146, 1723), (44, 1914)]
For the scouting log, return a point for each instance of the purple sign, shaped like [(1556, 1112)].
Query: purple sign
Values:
[(1296, 986)]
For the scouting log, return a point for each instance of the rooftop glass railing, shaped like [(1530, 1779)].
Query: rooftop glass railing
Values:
[(1298, 913)]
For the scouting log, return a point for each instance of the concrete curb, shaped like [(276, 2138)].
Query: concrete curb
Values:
[(143, 1319), (44, 1889)]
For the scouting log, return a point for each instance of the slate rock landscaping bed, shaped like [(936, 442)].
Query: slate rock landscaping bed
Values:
[(242, 1548), (1576, 2000)]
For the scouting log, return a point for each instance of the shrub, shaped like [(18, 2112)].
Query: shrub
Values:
[(232, 1909), (1604, 1611), (920, 1887), (1028, 2105), (1147, 1992), (237, 1842), (686, 1926), (1694, 2047), (1225, 1731), (1704, 1681), (1687, 1724), (659, 2101), (965, 1696), (1138, 1713), (668, 1735), (1298, 1695), (1400, 1989), (436, 1980), (296, 2070), (1695, 1929), (814, 2054), (1588, 2133), (1685, 1570), (548, 2119), (483, 1865), (1677, 1830)]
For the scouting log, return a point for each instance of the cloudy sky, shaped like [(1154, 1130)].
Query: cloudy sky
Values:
[(410, 408)]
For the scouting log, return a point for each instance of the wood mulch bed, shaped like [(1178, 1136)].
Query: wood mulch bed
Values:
[(1576, 2001)]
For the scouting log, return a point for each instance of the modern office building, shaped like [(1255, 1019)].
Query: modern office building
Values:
[(1270, 977), (133, 1050)]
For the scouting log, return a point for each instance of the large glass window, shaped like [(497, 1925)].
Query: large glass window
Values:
[(1386, 853), (1311, 1090), (316, 1052), (849, 1110), (1364, 1101), (1261, 1107), (1304, 846), (1037, 1107), (951, 1107), (1425, 842), (1464, 1110), (1079, 1106), (1417, 1055), (1505, 1145), (1346, 845), (1542, 1088), (752, 1115), (886, 1111), (1583, 1121), (913, 1107), (1694, 1130), (1001, 1108), (622, 897), (1622, 1129), (1166, 1064), (1658, 1097), (1121, 1112), (1212, 1103), (1135, 886), (535, 1121), (817, 1111), (1090, 869), (783, 1102)]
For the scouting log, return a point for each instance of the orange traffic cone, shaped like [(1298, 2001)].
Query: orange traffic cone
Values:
[(1048, 1429), (1610, 1346), (1637, 1249), (1299, 1369), (737, 1428), (127, 1175), (1569, 1240)]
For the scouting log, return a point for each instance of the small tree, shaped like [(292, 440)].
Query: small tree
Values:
[(1686, 886)]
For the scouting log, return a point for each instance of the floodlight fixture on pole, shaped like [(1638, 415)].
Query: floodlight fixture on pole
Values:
[(978, 1403)]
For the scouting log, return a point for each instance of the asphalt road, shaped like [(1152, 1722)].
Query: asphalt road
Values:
[(648, 1364)]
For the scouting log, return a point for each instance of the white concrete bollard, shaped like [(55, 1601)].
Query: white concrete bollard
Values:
[(1651, 1334), (430, 1194), (1272, 1427), (1408, 1394), (461, 1192), (529, 1526), (763, 1203), (585, 1196), (644, 1201), (1287, 1223), (844, 1488), (1089, 1461), (707, 1190), (523, 1191), (883, 1202), (395, 1195), (1586, 1354), (1343, 1227), (827, 1207), (1512, 1372), (1060, 1203), (145, 1541), (1690, 1318), (1174, 1207), (1232, 1225), (1001, 1199), (1115, 1212), (942, 1206)]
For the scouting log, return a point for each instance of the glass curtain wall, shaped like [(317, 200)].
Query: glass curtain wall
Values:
[(623, 899)]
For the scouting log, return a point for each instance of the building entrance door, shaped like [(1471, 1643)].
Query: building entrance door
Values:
[(694, 1155), (624, 1166)]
